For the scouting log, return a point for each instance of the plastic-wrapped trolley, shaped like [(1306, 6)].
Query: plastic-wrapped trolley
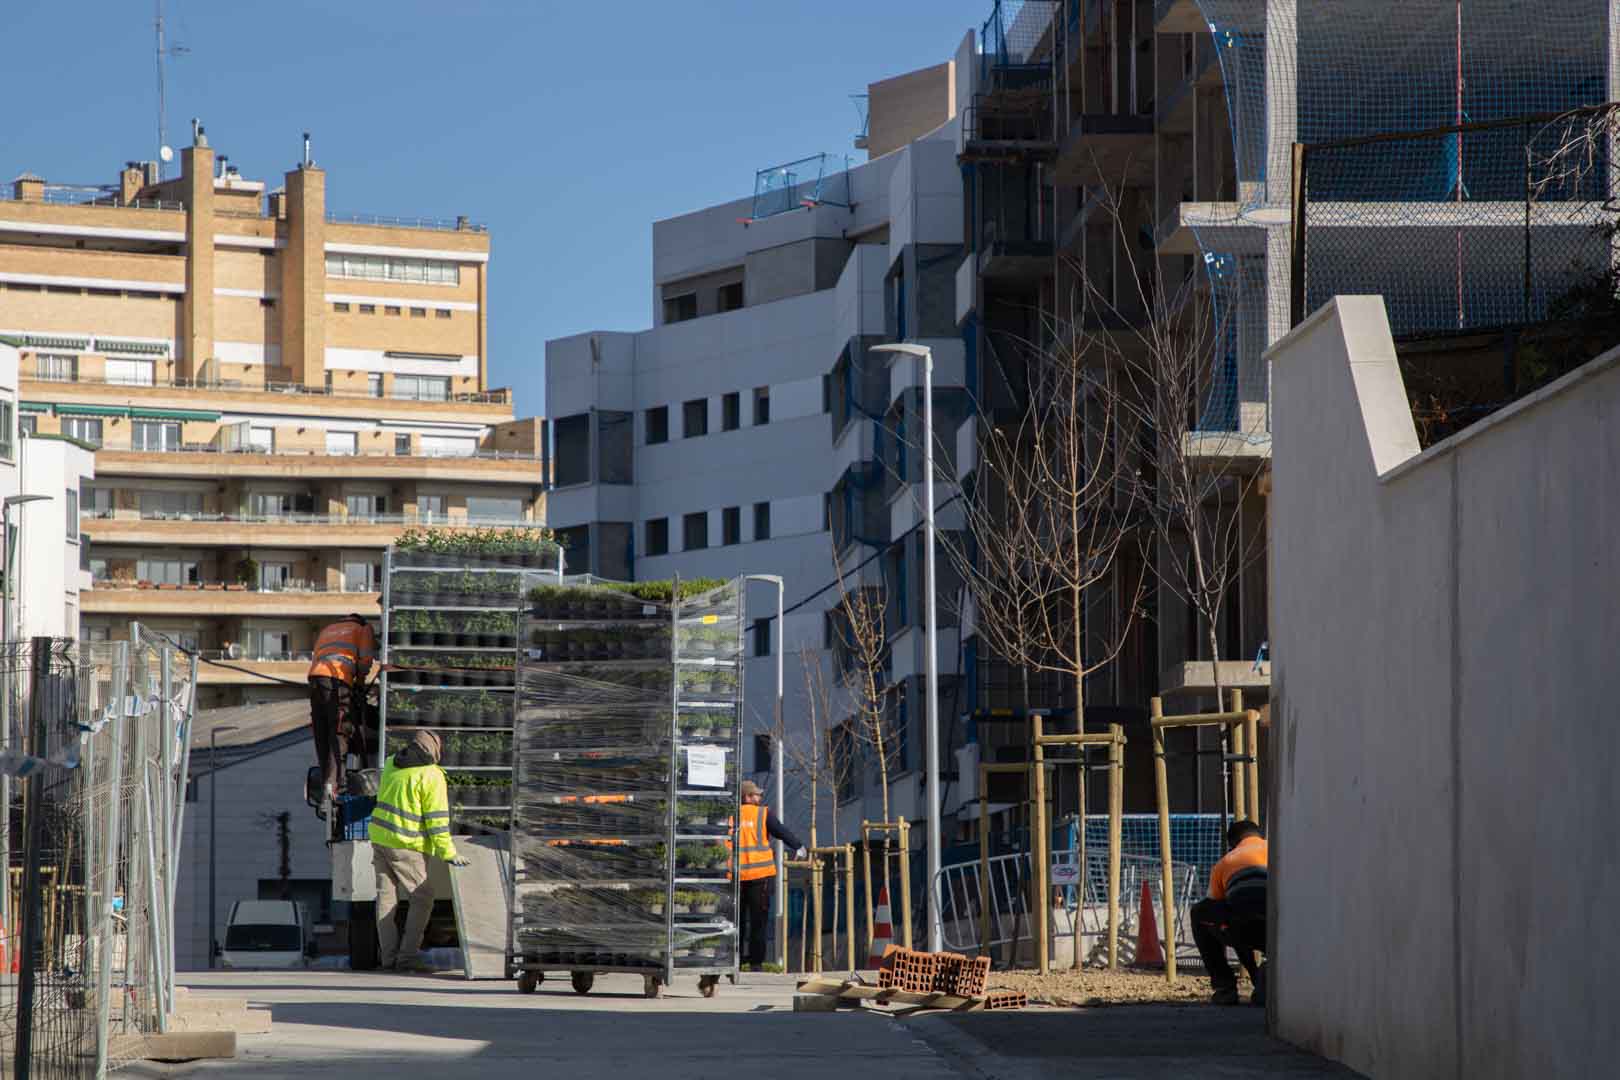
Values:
[(625, 783)]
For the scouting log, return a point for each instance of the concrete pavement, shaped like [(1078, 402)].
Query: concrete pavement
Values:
[(332, 1024)]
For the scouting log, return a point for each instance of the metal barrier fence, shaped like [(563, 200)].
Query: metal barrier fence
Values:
[(95, 739)]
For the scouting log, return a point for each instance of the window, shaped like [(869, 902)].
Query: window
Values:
[(28, 425), (762, 521), (418, 312), (342, 442), (731, 296), (422, 387), (154, 435), (762, 405), (87, 429), (361, 576), (8, 413), (95, 632), (657, 424), (328, 382), (365, 506), (731, 411), (762, 637), (826, 511), (695, 418), (731, 526), (658, 536), (374, 384), (262, 439), (275, 576), (402, 445), (695, 531), (95, 501), (268, 504), (494, 508), (170, 504), (340, 306), (390, 309), (680, 308), (266, 644), (72, 513), (430, 507), (166, 571), (368, 309), (388, 268), (762, 753), (442, 313), (130, 372), (53, 367)]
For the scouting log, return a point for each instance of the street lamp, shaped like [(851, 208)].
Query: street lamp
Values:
[(936, 926), (778, 741), (10, 698), (213, 824)]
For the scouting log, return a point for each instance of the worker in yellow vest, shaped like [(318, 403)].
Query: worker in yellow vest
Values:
[(757, 826), (344, 653), (410, 823)]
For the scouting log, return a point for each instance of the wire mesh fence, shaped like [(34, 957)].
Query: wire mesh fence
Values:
[(93, 777)]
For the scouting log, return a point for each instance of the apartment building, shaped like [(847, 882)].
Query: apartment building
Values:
[(42, 480), (275, 391), (725, 439)]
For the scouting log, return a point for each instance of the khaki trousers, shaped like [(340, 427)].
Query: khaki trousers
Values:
[(401, 875)]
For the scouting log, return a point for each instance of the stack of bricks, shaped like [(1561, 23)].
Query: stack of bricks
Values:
[(933, 973)]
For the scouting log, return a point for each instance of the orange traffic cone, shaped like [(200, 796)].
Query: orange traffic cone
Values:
[(882, 931), (1148, 951)]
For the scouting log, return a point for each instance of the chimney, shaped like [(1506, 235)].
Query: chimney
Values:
[(130, 182), (308, 161), (151, 168), (276, 203), (28, 188)]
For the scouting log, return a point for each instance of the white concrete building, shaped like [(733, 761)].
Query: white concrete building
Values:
[(49, 562), (726, 438)]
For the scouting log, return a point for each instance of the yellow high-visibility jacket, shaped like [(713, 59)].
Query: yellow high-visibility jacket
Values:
[(413, 811)]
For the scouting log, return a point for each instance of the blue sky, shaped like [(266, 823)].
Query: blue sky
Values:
[(568, 128)]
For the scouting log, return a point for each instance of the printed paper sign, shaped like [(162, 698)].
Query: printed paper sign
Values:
[(706, 766)]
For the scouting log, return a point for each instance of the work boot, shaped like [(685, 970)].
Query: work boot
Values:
[(1224, 995)]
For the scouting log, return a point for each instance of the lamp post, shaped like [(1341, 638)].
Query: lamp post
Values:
[(213, 824), (10, 696), (925, 355), (779, 738)]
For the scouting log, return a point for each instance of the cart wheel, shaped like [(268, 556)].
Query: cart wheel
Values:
[(529, 981), (651, 986), (583, 981), (708, 984)]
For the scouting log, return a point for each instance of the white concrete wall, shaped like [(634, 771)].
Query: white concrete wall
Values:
[(1443, 628), (246, 850)]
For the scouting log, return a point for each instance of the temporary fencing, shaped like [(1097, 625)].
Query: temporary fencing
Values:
[(95, 738)]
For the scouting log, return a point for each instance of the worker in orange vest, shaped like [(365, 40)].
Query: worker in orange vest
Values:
[(1235, 914), (344, 653), (757, 826)]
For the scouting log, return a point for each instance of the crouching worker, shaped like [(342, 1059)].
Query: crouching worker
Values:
[(410, 824), (1235, 915)]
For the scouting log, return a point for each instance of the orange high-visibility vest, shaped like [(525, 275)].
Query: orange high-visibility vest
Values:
[(754, 856), (344, 650)]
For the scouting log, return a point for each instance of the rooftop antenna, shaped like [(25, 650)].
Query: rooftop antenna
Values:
[(164, 153)]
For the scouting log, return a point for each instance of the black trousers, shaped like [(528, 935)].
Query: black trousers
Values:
[(754, 926), (1241, 924), (331, 715)]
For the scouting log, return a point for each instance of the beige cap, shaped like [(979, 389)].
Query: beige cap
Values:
[(750, 788)]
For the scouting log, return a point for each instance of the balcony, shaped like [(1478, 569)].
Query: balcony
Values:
[(269, 530), (251, 462), (1017, 253), (391, 221), (123, 597), (270, 394), (1107, 149), (246, 670)]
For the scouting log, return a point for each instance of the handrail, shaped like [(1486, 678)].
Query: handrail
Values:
[(66, 196), (458, 224)]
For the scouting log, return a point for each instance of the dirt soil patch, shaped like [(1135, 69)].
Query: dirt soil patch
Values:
[(1094, 987)]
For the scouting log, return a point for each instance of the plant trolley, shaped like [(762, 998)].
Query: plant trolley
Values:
[(625, 782)]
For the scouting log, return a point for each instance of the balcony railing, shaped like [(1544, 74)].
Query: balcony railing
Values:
[(75, 195), (402, 520), (457, 224), (241, 656), (210, 448), (501, 396), (127, 584)]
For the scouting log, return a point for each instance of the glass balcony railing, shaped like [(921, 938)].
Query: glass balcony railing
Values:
[(295, 518), (500, 396)]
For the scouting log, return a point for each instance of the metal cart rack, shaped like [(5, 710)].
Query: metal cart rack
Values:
[(626, 782)]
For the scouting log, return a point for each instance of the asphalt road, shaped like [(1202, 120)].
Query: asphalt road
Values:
[(331, 1024)]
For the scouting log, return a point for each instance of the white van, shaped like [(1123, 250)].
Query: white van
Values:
[(266, 934)]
